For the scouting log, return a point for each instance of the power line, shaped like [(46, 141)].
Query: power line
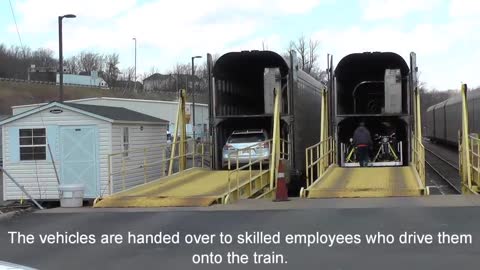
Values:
[(16, 26)]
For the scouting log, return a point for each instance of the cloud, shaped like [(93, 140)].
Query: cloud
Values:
[(444, 51), (464, 8), (394, 9), (171, 27), (272, 42), (41, 16)]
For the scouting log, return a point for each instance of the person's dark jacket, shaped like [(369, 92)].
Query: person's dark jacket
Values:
[(361, 136)]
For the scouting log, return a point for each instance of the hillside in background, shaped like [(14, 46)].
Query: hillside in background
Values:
[(21, 93)]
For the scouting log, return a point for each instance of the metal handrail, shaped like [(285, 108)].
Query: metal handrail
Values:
[(318, 158), (419, 158), (199, 154), (262, 171), (470, 167)]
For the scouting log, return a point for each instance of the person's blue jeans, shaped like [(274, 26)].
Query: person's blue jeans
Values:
[(362, 154)]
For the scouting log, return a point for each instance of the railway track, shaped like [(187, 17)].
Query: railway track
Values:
[(446, 170)]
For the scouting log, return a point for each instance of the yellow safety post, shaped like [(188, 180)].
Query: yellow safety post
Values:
[(180, 124), (419, 150), (323, 130), (414, 133), (466, 174), (275, 139)]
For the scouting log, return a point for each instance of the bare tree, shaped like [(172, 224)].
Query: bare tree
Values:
[(72, 65), (308, 55), (111, 72), (90, 61), (15, 61), (43, 58), (301, 47), (264, 45), (312, 55), (125, 81)]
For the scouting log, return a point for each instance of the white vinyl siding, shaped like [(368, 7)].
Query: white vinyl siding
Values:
[(38, 177), (142, 142)]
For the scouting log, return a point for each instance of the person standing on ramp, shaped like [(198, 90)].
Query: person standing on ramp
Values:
[(363, 142)]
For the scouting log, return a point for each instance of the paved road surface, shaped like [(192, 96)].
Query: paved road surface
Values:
[(394, 220)]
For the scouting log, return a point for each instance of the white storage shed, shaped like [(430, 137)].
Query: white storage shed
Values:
[(80, 137), (157, 108)]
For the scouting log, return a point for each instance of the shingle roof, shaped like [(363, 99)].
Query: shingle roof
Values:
[(157, 76), (116, 113), (180, 77)]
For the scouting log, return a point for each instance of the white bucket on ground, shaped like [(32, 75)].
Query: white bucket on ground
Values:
[(71, 195)]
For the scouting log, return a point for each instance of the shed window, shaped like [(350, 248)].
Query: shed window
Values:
[(125, 141), (33, 144)]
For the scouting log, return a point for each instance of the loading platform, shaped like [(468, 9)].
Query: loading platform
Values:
[(197, 185), (339, 182), (192, 187)]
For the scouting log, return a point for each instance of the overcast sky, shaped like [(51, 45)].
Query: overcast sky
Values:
[(445, 34)]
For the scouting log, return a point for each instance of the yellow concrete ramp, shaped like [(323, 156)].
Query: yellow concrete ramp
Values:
[(193, 187), (341, 182)]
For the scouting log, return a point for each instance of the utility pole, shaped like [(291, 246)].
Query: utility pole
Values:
[(60, 52), (135, 76)]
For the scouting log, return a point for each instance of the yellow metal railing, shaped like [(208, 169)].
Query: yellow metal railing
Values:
[(257, 167), (470, 167), (318, 158), (258, 179), (469, 152), (418, 150), (141, 165)]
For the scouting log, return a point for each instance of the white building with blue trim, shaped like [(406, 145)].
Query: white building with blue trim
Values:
[(92, 80), (80, 138)]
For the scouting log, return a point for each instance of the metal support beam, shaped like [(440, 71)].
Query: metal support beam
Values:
[(323, 126), (21, 188), (179, 126), (275, 139), (465, 155), (419, 151)]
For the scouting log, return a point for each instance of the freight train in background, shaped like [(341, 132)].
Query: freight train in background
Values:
[(443, 121), (241, 90)]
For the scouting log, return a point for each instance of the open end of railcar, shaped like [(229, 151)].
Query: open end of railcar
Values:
[(373, 88), (243, 96)]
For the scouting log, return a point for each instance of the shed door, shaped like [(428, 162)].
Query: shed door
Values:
[(78, 153)]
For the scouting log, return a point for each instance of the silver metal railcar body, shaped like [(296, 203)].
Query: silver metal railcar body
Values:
[(444, 120), (241, 98)]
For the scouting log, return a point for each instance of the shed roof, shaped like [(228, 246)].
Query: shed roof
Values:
[(106, 113), (114, 99), (116, 113)]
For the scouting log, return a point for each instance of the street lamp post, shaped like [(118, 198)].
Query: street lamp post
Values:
[(193, 95), (135, 76), (60, 51)]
